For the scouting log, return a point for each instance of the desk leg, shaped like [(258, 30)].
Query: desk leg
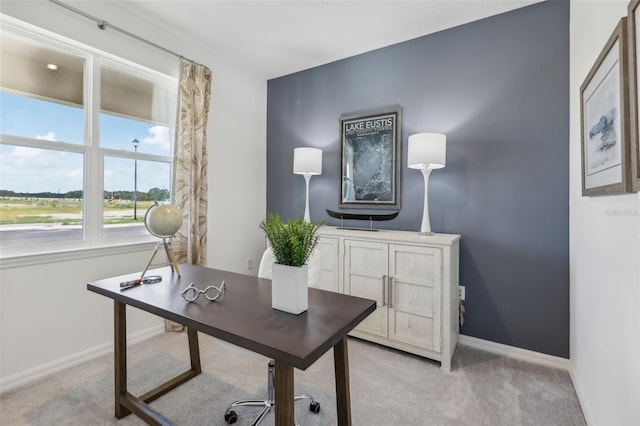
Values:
[(126, 403), (343, 399), (284, 394), (120, 356), (194, 351)]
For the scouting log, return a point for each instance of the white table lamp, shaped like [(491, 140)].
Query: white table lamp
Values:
[(307, 162), (426, 151)]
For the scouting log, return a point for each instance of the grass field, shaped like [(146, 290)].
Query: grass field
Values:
[(14, 211)]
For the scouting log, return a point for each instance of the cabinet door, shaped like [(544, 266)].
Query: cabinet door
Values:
[(330, 277), (365, 263), (414, 311)]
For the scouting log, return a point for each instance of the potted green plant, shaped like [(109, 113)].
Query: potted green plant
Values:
[(292, 245)]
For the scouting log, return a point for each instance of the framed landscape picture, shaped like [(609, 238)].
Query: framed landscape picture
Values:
[(604, 98), (370, 159), (633, 21)]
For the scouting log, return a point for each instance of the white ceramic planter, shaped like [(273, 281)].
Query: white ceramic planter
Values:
[(289, 288)]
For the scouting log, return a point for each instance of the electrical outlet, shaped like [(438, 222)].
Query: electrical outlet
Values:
[(461, 292), (249, 264)]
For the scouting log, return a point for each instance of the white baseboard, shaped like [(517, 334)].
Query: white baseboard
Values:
[(11, 382), (588, 417), (513, 352)]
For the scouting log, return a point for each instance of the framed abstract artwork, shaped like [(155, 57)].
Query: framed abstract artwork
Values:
[(633, 23), (370, 159), (604, 99)]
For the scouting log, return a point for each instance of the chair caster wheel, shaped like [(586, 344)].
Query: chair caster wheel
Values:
[(231, 417), (314, 407)]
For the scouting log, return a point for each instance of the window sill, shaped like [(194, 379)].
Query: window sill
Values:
[(31, 259)]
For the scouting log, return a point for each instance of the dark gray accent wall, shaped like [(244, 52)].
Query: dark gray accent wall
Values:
[(499, 89)]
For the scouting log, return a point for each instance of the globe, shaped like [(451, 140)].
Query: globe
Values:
[(163, 220)]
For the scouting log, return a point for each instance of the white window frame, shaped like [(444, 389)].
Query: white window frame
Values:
[(93, 244)]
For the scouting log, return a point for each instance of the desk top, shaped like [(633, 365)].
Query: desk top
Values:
[(244, 316)]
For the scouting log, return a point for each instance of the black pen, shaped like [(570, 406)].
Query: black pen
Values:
[(146, 280), (128, 284)]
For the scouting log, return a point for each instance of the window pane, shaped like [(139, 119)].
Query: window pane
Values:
[(127, 198), (41, 92), (41, 196), (133, 107), (38, 119), (119, 133)]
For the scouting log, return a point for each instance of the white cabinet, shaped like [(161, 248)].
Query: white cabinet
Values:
[(330, 279), (413, 278), (365, 275)]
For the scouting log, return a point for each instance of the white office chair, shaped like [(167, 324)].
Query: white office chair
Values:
[(314, 265)]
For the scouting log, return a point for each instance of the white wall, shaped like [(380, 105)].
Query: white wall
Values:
[(237, 170), (50, 321), (604, 256), (48, 318)]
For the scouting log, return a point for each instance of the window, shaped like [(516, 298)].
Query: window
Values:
[(135, 136), (81, 158)]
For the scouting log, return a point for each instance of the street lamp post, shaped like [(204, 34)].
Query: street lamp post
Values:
[(135, 143)]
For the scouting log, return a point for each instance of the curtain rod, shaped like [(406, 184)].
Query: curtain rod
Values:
[(103, 25)]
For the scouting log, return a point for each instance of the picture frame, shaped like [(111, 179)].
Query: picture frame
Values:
[(604, 119), (370, 159), (633, 24)]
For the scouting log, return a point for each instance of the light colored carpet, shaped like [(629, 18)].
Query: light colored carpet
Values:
[(388, 387)]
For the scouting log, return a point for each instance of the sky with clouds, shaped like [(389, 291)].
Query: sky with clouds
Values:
[(24, 169)]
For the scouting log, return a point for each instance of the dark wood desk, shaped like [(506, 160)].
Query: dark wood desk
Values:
[(244, 317)]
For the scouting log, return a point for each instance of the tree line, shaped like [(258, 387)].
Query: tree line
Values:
[(154, 194)]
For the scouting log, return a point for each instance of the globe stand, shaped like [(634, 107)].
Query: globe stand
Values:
[(172, 258)]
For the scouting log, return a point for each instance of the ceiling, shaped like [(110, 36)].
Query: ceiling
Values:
[(276, 38)]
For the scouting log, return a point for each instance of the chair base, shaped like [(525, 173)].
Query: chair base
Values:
[(230, 416)]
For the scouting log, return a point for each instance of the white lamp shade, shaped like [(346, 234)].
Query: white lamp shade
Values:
[(427, 151), (307, 161)]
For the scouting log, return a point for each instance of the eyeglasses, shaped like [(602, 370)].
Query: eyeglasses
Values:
[(211, 293)]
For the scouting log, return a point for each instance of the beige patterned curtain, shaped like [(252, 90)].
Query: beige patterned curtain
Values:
[(190, 169)]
